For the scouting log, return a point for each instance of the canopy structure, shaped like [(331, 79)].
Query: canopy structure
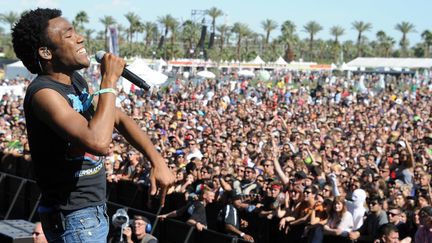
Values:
[(280, 61), (206, 74), (162, 62), (393, 63), (140, 68), (257, 61), (345, 67), (246, 73), (17, 69)]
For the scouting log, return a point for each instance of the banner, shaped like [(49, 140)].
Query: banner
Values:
[(112, 39)]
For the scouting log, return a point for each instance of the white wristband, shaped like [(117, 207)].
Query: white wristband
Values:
[(242, 234)]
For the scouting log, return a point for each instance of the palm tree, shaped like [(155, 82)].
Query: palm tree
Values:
[(9, 18), (107, 21), (213, 13), (288, 37), (80, 19), (336, 31), (405, 28), (167, 21), (173, 28), (150, 30), (312, 28), (88, 33), (427, 37), (248, 37), (190, 36), (385, 43), (361, 27), (241, 30), (134, 22), (268, 25), (224, 33)]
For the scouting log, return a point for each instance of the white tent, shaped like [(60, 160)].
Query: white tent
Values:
[(280, 61), (159, 64), (162, 62), (206, 74), (377, 62), (246, 73), (333, 66), (141, 69), (345, 67), (17, 69), (257, 60)]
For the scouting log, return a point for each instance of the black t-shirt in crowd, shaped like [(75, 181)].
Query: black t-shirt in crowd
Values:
[(69, 177), (195, 211)]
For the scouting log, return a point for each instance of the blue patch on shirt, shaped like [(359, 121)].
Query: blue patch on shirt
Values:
[(81, 103)]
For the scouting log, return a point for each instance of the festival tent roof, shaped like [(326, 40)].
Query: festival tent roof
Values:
[(206, 74), (377, 62), (140, 68), (345, 67), (257, 60), (280, 61), (162, 62), (17, 69)]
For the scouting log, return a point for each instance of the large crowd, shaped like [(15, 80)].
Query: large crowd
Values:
[(326, 156)]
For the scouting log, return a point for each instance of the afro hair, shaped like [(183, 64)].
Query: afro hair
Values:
[(29, 34)]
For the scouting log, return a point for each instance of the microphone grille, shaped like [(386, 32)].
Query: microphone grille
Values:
[(99, 56)]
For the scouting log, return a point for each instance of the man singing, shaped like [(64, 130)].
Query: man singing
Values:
[(68, 135)]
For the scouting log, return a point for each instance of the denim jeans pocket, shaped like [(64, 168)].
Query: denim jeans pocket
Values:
[(89, 223), (87, 226)]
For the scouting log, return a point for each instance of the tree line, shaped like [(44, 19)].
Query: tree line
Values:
[(168, 38)]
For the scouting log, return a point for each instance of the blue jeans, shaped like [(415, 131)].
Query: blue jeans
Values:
[(83, 225)]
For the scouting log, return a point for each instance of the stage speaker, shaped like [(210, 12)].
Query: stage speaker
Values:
[(16, 231), (211, 42), (203, 36)]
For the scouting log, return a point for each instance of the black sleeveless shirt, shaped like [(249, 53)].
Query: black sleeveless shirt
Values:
[(69, 177)]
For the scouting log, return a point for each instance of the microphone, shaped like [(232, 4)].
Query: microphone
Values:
[(127, 74)]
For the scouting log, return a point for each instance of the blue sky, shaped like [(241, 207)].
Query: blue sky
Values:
[(382, 14)]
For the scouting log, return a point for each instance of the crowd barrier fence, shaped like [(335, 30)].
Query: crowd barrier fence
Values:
[(20, 197)]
